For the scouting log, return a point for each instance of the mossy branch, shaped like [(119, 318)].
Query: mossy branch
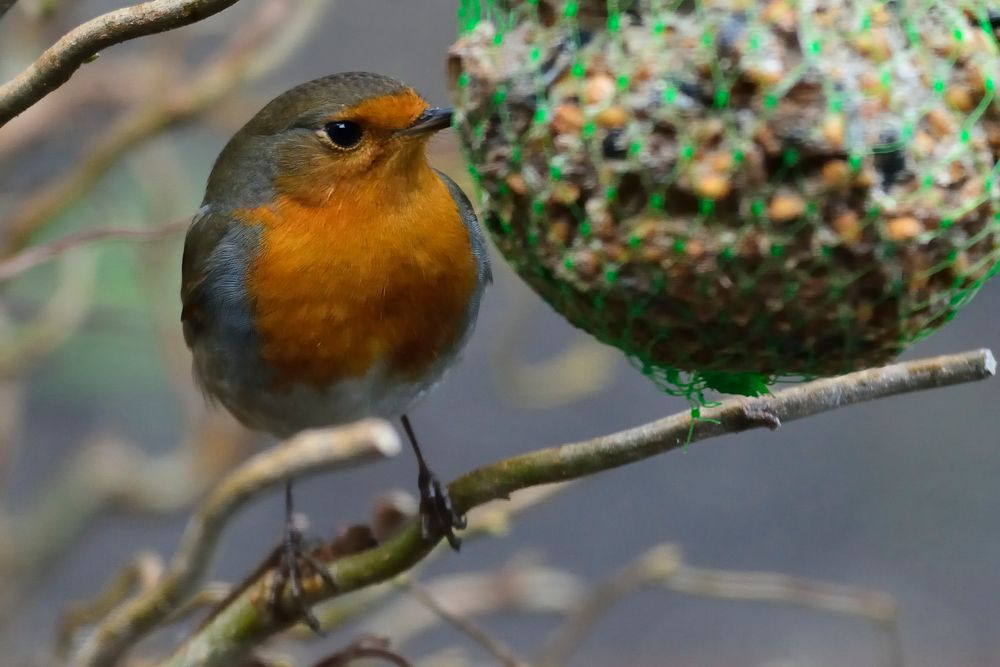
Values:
[(246, 620), (310, 452)]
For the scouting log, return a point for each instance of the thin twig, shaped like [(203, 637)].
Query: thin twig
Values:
[(491, 519), (365, 647), (244, 56), (466, 626), (245, 623), (517, 587), (61, 317), (5, 5), (311, 452), (57, 64), (876, 607), (141, 573), (35, 255), (104, 473), (663, 566)]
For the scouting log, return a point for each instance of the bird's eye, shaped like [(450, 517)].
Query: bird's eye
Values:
[(344, 133)]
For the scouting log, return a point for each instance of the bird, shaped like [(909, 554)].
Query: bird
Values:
[(332, 274)]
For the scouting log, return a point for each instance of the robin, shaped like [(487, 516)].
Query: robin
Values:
[(331, 273)]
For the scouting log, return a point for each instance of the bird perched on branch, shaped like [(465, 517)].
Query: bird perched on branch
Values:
[(331, 273)]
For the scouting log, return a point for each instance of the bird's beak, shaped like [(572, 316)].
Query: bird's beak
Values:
[(431, 120)]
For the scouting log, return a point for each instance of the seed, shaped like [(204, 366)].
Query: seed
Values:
[(559, 232), (567, 119), (923, 144), (903, 228), (516, 184), (586, 264), (766, 73), (836, 174), (565, 192), (833, 130), (599, 88), (959, 97), (940, 122), (713, 186), (846, 225), (612, 117), (785, 207)]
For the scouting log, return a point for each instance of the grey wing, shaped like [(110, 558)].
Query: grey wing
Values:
[(476, 237), (217, 254), (203, 237)]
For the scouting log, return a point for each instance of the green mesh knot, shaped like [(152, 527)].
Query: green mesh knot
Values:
[(735, 192)]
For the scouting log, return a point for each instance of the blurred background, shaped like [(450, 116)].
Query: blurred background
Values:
[(105, 443)]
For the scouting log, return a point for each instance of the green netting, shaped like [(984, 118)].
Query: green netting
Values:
[(737, 191)]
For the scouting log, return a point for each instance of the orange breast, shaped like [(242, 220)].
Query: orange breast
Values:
[(361, 280)]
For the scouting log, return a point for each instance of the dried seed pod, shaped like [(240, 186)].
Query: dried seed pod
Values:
[(731, 187)]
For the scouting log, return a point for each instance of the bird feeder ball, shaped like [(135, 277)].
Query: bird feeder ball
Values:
[(733, 191)]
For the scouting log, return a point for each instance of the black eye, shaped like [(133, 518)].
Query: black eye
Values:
[(344, 133)]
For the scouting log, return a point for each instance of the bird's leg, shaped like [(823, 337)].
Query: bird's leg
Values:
[(289, 567), (437, 515)]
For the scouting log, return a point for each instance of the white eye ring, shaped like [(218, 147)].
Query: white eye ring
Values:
[(344, 134)]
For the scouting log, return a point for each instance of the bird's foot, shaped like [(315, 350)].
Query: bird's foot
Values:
[(437, 515), (290, 568)]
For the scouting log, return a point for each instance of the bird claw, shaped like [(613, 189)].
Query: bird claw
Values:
[(289, 572), (437, 515)]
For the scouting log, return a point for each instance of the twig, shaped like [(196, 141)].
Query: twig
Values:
[(516, 587), (663, 566), (104, 473), (308, 453), (142, 573), (5, 5), (463, 624), (35, 255), (103, 89), (365, 647), (243, 57), (876, 607), (57, 64), (62, 315), (244, 623), (208, 596), (491, 519)]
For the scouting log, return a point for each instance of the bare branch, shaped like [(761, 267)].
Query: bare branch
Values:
[(461, 622), (663, 566), (142, 573), (36, 255), (365, 647), (103, 473), (517, 587), (54, 67), (5, 5), (63, 314), (244, 56), (246, 621), (310, 452)]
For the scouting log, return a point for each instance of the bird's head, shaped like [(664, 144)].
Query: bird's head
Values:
[(338, 133)]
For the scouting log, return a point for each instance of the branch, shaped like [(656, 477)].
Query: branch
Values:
[(663, 566), (13, 266), (142, 572), (244, 56), (54, 67), (247, 621), (5, 5), (492, 645), (310, 452), (515, 587)]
